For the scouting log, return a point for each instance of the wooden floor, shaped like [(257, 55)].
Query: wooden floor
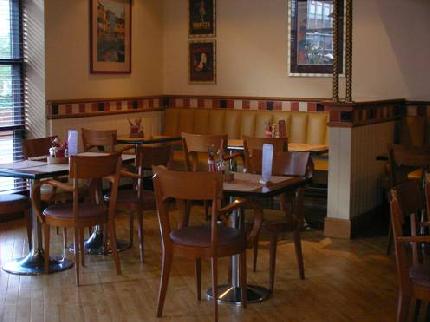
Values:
[(345, 281)]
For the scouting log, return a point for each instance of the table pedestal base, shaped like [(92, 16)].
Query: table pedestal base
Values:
[(232, 295), (33, 264), (95, 246)]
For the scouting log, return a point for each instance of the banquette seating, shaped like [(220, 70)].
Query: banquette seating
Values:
[(302, 127)]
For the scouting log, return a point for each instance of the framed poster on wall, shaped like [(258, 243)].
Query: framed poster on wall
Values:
[(201, 18), (310, 30), (110, 36), (202, 62)]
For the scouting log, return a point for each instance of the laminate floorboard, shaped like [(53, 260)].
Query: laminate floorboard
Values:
[(345, 281)]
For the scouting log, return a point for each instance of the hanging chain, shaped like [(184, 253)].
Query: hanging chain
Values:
[(335, 51), (348, 51)]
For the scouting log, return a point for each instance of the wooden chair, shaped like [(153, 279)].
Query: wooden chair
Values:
[(203, 241), (406, 163), (135, 201), (37, 148), (102, 140), (14, 204), (80, 215), (414, 278), (196, 144), (251, 144), (290, 164)]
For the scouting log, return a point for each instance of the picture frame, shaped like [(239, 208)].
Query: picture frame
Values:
[(201, 18), (310, 38), (110, 36), (202, 61)]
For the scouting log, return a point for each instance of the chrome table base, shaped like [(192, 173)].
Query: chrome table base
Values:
[(33, 264), (232, 295), (95, 244)]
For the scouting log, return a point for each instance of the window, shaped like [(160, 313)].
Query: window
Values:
[(311, 36), (12, 127)]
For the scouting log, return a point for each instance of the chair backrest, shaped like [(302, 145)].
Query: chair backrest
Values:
[(251, 144), (404, 159), (186, 186), (406, 202), (95, 169), (291, 164), (39, 147), (148, 156), (193, 144), (102, 140)]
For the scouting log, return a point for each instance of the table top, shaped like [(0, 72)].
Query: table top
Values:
[(248, 185), (148, 140), (29, 169), (237, 144)]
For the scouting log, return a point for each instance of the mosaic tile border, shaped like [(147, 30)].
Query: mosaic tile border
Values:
[(94, 107)]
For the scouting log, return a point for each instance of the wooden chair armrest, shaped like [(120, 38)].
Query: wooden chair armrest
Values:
[(129, 174), (258, 216), (57, 184), (413, 239), (125, 148)]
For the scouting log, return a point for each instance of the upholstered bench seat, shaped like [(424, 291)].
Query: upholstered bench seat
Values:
[(302, 127)]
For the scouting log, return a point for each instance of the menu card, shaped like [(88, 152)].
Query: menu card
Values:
[(266, 164)]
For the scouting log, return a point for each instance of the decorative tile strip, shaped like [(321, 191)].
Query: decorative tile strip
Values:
[(97, 107), (365, 113), (247, 103)]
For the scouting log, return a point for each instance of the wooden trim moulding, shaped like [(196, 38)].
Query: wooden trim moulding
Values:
[(84, 115)]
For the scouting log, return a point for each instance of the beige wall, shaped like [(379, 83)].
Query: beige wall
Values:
[(391, 43), (67, 53)]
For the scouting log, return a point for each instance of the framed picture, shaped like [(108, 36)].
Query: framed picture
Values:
[(310, 32), (202, 18), (202, 62), (110, 36)]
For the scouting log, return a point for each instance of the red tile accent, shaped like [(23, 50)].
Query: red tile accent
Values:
[(334, 116), (68, 109), (94, 107), (187, 102), (295, 106), (200, 103), (312, 107), (81, 108), (230, 104), (262, 105), (118, 106), (245, 105), (107, 107), (151, 103), (277, 105)]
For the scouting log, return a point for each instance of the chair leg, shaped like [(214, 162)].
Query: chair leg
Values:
[(403, 308), (65, 237), (272, 260), (140, 233), (112, 237), (390, 240), (77, 250), (255, 243), (47, 237), (131, 227), (299, 253), (243, 278), (29, 226), (198, 271), (165, 274), (214, 261), (81, 246)]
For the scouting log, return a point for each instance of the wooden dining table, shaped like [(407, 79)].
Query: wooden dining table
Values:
[(34, 172), (248, 186)]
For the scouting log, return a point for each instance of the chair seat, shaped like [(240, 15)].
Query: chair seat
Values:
[(129, 198), (65, 211), (420, 274), (200, 236)]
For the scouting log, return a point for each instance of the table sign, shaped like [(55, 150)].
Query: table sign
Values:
[(72, 142), (266, 164)]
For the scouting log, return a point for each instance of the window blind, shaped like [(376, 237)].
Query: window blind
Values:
[(12, 118)]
